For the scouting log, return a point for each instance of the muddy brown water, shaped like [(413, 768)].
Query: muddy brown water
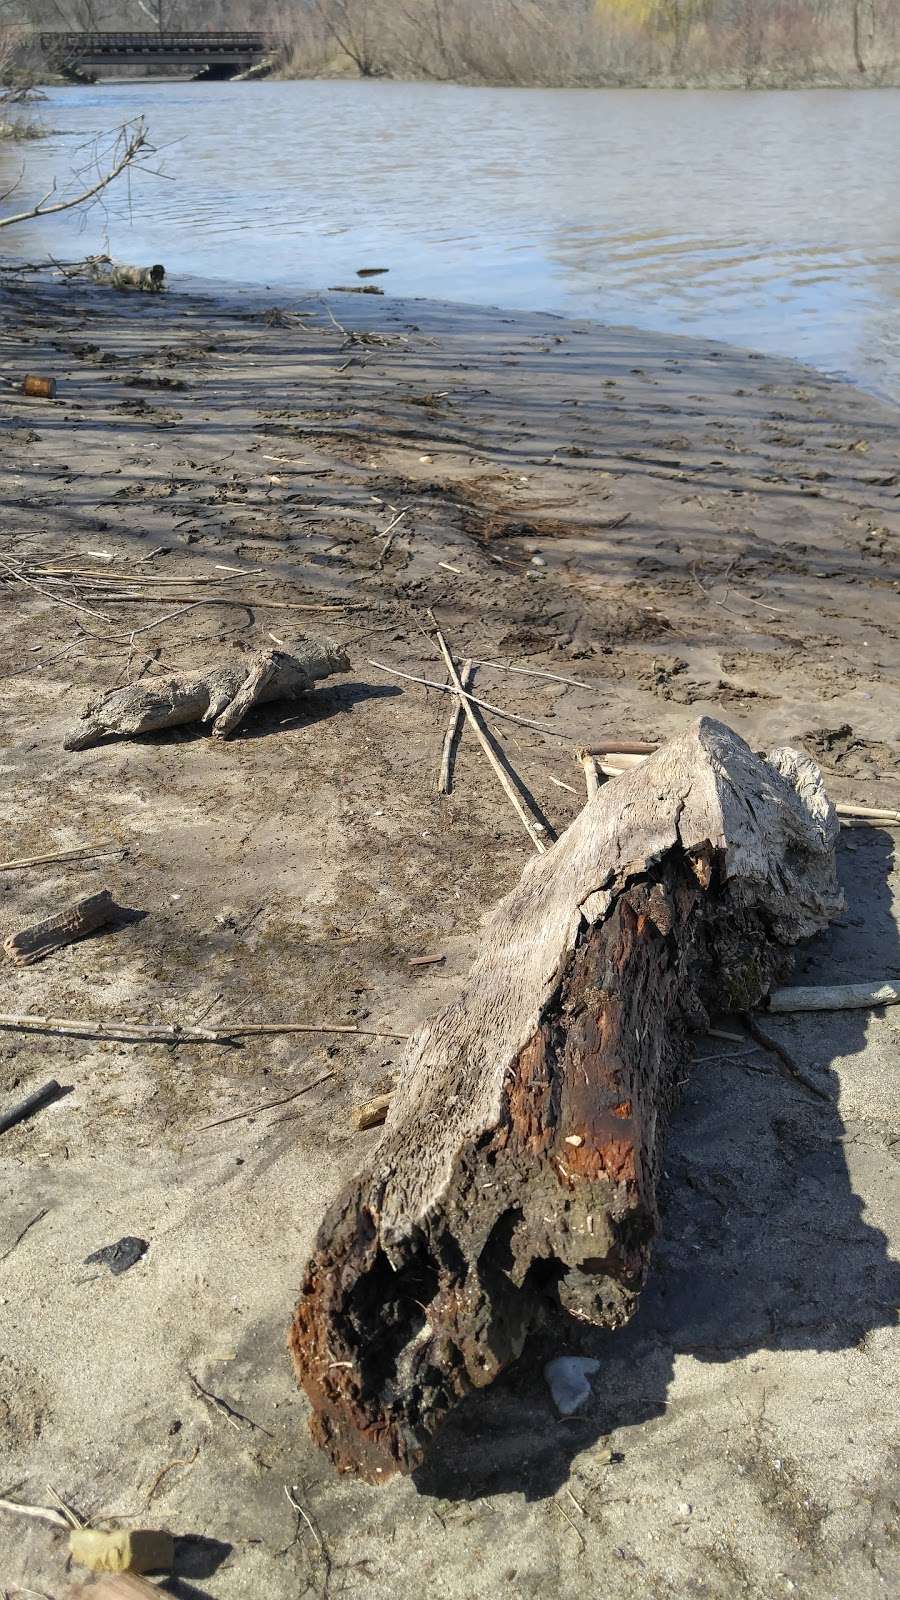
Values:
[(768, 220)]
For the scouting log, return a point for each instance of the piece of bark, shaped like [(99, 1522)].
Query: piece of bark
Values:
[(372, 1114), (222, 695), (66, 927), (519, 1162)]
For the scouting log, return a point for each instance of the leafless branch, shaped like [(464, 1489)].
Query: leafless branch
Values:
[(132, 139)]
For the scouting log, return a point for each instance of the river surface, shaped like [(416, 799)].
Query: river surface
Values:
[(770, 220)]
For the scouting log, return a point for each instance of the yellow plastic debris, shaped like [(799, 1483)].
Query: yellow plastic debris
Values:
[(122, 1550)]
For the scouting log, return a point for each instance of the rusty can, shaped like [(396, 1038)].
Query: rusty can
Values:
[(42, 388)]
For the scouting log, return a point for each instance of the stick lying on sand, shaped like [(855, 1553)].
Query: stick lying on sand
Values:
[(454, 728), (836, 997), (222, 695), (525, 1136), (163, 1033)]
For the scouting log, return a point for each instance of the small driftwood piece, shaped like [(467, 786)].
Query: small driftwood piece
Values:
[(588, 762), (836, 997), (372, 1114), (66, 927), (221, 696), (31, 1102), (525, 1138)]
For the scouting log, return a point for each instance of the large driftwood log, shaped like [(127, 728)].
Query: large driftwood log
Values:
[(519, 1161), (222, 695)]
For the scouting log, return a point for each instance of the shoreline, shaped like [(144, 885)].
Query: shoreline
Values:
[(685, 527)]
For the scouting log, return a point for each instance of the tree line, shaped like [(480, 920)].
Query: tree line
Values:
[(553, 42)]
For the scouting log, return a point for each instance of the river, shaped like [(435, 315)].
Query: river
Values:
[(770, 220)]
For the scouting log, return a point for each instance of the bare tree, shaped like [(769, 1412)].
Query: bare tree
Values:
[(352, 24), (157, 11)]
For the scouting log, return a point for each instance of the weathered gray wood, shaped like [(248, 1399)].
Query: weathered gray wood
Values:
[(519, 1160), (837, 997), (76, 922), (222, 695)]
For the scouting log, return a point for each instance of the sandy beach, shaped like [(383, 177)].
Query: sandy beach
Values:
[(682, 527)]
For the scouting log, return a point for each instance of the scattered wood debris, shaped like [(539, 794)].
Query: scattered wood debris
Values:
[(670, 897), (222, 696), (534, 824)]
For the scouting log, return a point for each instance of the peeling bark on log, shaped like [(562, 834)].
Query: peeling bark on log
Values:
[(66, 927), (520, 1157), (222, 696)]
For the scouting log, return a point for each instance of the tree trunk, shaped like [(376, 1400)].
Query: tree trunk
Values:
[(857, 36), (520, 1158)]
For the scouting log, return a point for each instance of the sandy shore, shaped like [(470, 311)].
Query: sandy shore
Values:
[(682, 527)]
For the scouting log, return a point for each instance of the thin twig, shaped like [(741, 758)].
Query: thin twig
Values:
[(236, 1116), (134, 143), (180, 1461), (790, 1066), (532, 672), (451, 737), (506, 782), (161, 1033), (78, 852), (448, 688), (300, 1511), (44, 1513), (57, 599), (27, 1229), (230, 1413)]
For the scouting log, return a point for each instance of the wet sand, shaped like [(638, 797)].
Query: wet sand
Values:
[(683, 527)]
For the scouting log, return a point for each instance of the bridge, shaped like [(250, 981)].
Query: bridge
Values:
[(218, 55)]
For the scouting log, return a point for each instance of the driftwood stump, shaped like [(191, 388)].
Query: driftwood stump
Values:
[(519, 1162), (221, 695)]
